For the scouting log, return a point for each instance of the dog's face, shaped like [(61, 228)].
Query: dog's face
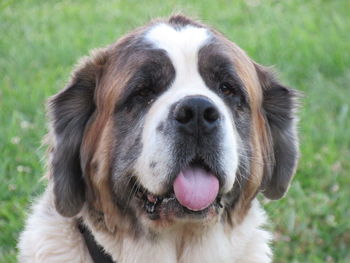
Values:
[(173, 123)]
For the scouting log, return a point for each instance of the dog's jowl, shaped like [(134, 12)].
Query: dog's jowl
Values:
[(158, 147)]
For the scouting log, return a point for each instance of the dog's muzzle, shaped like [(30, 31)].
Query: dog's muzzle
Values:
[(196, 116)]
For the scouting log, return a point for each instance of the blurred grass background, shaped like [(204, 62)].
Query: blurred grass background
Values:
[(307, 41)]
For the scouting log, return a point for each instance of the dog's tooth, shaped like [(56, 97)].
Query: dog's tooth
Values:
[(152, 198), (150, 207)]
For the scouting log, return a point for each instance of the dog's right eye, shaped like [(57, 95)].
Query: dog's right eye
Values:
[(145, 92)]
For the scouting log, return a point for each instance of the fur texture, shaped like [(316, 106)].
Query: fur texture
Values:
[(169, 98), (50, 237)]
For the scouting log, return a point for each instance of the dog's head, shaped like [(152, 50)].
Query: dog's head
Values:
[(173, 123)]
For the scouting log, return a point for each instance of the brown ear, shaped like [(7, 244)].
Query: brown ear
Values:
[(70, 110), (279, 105)]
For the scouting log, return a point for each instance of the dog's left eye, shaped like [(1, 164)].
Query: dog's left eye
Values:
[(233, 93), (228, 90)]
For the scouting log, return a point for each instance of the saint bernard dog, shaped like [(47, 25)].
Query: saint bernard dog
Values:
[(158, 147)]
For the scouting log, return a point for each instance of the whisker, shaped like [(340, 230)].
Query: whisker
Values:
[(133, 190)]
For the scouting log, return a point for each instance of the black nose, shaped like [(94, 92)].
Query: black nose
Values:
[(196, 115)]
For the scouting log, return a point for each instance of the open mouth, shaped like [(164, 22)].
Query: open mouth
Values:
[(195, 191)]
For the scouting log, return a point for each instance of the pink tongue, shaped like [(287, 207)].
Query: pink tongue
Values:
[(196, 188)]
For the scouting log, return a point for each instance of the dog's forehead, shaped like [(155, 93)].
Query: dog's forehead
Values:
[(191, 46), (194, 51), (182, 44), (187, 39)]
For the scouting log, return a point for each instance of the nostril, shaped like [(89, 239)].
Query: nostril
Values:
[(211, 114), (184, 115)]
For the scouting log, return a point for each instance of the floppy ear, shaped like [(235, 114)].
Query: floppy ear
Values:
[(70, 110), (279, 105)]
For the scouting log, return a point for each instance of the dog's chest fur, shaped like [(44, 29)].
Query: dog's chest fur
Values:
[(61, 240)]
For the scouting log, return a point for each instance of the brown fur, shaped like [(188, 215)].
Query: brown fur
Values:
[(97, 143), (106, 74)]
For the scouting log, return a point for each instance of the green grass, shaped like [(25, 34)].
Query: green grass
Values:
[(307, 41)]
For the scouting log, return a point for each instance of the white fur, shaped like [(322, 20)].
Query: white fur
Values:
[(182, 48), (49, 237)]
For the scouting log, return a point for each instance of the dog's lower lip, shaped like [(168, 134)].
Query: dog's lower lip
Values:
[(153, 203)]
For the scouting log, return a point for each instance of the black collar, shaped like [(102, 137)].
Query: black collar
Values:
[(97, 253)]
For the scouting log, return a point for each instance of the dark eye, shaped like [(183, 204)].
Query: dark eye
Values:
[(228, 90), (145, 92)]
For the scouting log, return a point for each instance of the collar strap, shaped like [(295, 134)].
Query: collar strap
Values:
[(97, 253)]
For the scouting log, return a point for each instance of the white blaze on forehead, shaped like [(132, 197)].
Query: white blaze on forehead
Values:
[(181, 45)]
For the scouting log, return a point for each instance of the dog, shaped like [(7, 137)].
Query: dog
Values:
[(158, 147)]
